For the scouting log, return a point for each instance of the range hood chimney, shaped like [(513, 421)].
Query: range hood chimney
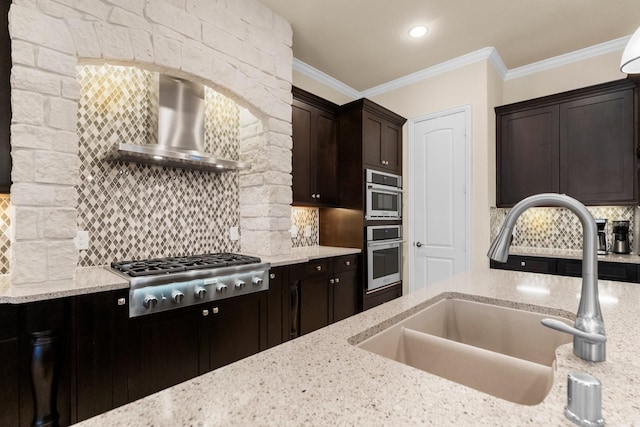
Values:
[(180, 132)]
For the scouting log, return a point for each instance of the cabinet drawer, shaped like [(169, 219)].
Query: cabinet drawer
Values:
[(345, 263), (313, 268), (606, 270), (530, 264)]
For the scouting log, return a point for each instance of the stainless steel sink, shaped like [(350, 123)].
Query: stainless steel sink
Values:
[(497, 350)]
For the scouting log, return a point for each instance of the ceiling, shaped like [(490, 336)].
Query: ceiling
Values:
[(364, 43)]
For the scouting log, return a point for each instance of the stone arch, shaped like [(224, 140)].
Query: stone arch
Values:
[(240, 48)]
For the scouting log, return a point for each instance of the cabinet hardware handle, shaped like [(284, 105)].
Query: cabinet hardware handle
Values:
[(332, 281), (272, 276), (215, 310), (347, 263), (319, 267), (317, 195), (313, 196), (523, 264), (337, 280), (122, 301), (205, 313)]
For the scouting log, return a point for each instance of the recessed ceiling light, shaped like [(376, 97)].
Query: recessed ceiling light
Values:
[(418, 31)]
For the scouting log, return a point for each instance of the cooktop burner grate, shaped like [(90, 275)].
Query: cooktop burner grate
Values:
[(158, 266)]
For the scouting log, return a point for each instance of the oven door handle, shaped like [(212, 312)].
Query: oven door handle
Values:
[(388, 243), (386, 188)]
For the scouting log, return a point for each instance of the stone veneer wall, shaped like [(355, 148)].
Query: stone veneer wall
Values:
[(239, 48)]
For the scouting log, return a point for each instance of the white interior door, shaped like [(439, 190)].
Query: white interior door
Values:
[(439, 218)]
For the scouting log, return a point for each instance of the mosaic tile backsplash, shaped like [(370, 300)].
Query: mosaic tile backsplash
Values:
[(301, 218), (136, 211), (4, 234), (558, 228)]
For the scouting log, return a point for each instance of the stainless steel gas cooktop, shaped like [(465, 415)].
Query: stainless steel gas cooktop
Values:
[(162, 284)]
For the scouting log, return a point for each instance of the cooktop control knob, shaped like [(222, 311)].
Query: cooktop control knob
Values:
[(221, 289), (150, 301), (177, 297), (200, 292), (239, 284), (257, 281)]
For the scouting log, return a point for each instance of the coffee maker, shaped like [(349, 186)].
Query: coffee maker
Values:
[(621, 237), (602, 236)]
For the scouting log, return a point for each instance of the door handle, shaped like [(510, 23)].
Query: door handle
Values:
[(419, 244)]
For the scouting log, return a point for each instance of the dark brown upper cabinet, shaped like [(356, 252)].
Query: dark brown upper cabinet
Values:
[(315, 152), (380, 132), (5, 99), (581, 143)]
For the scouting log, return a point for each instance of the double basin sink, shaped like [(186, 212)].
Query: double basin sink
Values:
[(497, 350)]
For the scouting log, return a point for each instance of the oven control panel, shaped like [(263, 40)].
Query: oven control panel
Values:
[(181, 293)]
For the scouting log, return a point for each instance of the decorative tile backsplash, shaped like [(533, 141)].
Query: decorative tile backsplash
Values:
[(4, 234), (558, 228), (301, 218), (134, 211)]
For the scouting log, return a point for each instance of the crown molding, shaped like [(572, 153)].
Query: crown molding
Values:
[(325, 79), (568, 58), (488, 53), (427, 73)]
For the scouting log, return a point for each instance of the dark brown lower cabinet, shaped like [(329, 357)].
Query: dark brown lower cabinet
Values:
[(321, 292), (278, 299), (100, 328), (163, 350), (9, 372), (618, 271), (238, 329), (171, 347), (527, 263)]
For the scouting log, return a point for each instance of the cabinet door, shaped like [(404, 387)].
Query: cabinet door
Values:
[(392, 147), (345, 295), (315, 161), (527, 154), (310, 296), (278, 303), (597, 148), (325, 159), (100, 353), (382, 143), (303, 186), (9, 368), (238, 328), (315, 301), (163, 350)]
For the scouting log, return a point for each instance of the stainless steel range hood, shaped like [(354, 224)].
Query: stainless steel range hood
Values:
[(180, 132)]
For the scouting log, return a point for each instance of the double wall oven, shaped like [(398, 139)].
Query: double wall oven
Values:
[(384, 230)]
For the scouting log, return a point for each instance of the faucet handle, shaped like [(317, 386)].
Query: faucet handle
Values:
[(563, 327)]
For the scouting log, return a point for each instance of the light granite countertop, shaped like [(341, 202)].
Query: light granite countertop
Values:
[(87, 280), (99, 279), (322, 379)]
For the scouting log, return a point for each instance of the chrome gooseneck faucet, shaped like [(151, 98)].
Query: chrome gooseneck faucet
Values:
[(588, 334)]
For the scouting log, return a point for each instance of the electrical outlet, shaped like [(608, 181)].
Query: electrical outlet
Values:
[(234, 234), (307, 231), (82, 240), (294, 231)]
